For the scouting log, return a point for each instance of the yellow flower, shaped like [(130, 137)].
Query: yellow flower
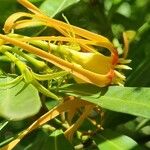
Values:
[(106, 66), (87, 65), (94, 62)]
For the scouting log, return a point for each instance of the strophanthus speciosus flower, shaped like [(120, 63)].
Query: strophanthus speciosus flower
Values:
[(98, 63), (94, 62), (88, 65), (85, 64)]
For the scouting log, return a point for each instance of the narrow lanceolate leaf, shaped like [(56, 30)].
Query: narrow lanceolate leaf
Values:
[(130, 100), (18, 102), (58, 141), (114, 141), (51, 7)]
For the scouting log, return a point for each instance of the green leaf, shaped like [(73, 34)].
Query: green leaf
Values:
[(41, 140), (115, 141), (113, 119), (130, 100), (58, 141), (38, 140), (51, 7), (35, 1), (140, 57), (50, 103), (6, 8), (17, 103)]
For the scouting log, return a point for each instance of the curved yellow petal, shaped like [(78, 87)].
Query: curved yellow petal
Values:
[(101, 40), (9, 23), (85, 75)]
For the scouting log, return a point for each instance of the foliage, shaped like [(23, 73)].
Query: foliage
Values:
[(64, 93)]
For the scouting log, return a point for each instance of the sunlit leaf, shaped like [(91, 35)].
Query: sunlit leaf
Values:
[(131, 100), (51, 7), (114, 141), (17, 103), (58, 141)]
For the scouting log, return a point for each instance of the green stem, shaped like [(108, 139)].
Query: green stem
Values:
[(20, 64), (37, 63), (49, 76), (142, 124), (6, 141), (12, 82), (27, 74), (41, 65), (145, 27), (43, 90), (4, 59), (41, 44), (4, 124)]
